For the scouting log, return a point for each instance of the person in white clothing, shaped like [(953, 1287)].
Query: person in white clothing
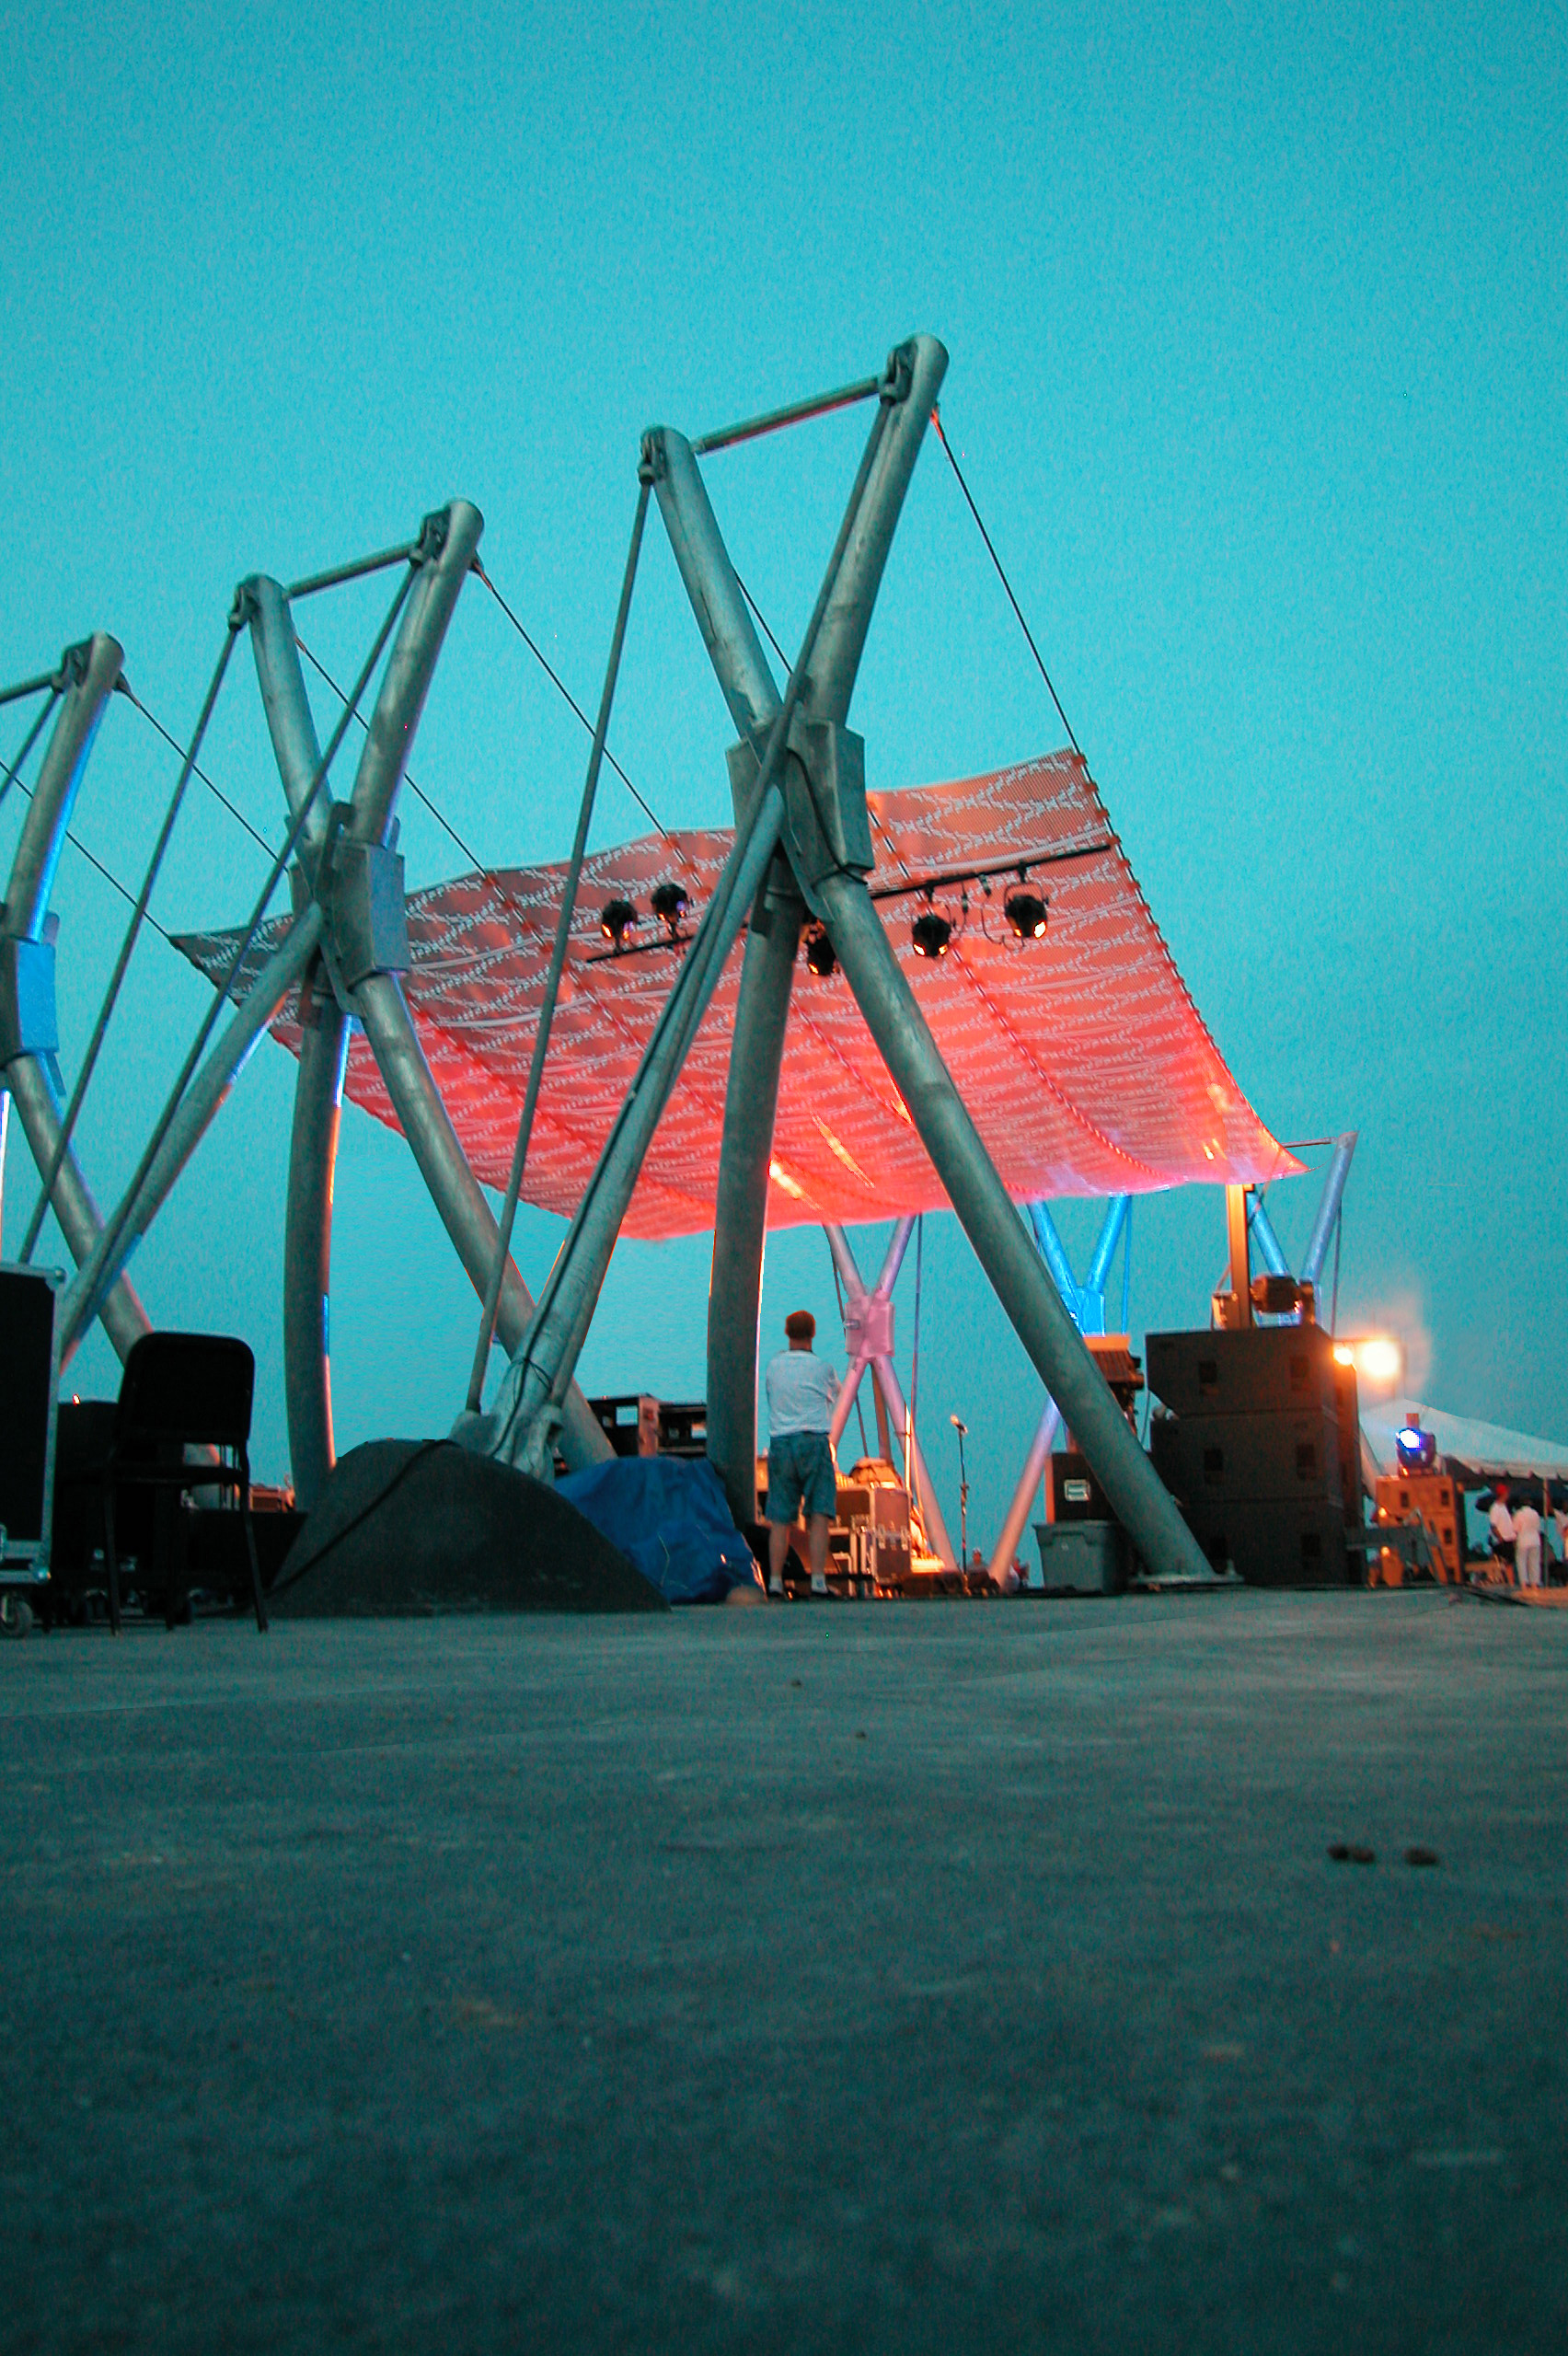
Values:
[(1501, 1522), (802, 1390), (1527, 1546)]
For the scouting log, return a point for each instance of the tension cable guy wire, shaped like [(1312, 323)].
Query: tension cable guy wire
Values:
[(1006, 585), (560, 685)]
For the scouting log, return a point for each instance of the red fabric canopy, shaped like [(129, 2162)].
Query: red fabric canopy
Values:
[(1081, 1057)]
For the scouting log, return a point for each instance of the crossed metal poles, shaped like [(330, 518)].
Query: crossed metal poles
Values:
[(1270, 1248), (1086, 1306), (29, 1037), (344, 951), (867, 1337), (346, 861), (798, 778), (1272, 1252)]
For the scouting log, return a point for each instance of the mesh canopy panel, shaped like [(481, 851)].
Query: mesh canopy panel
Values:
[(1081, 1057)]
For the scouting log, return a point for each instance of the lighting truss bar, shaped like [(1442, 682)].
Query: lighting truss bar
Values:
[(1019, 867), (796, 414), (641, 948), (944, 882)]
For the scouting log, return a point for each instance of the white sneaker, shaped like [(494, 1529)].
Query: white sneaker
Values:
[(776, 1587), (819, 1582)]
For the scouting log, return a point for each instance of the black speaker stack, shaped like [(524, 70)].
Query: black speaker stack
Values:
[(1260, 1448)]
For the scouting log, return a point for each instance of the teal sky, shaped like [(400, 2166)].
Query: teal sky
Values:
[(1257, 332)]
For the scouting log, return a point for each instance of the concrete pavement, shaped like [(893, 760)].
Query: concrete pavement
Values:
[(866, 1977)]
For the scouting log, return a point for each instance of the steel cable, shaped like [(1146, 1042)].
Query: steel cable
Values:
[(109, 875), (560, 685), (316, 665), (28, 741), (1006, 585), (106, 1271), (557, 961), (238, 815)]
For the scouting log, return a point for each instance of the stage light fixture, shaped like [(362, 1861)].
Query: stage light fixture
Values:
[(819, 956), (1025, 912), (1416, 1449), (670, 903), (930, 934), (1378, 1359), (615, 921)]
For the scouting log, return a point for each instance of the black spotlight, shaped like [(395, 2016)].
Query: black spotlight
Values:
[(669, 905), (1025, 911), (930, 934), (820, 955), (615, 921)]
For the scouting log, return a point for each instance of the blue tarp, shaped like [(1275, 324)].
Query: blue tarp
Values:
[(668, 1516)]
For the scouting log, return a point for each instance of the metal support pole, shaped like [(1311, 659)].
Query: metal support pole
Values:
[(1082, 1301), (198, 1107), (1005, 1552), (31, 1074), (889, 1403), (1271, 1251), (1092, 1292), (60, 773), (1328, 1208), (307, 1240), (555, 969), (767, 975), (410, 666), (829, 650), (519, 1427), (378, 1001), (1053, 1251), (1238, 1312), (740, 1214), (90, 1055), (915, 1475), (746, 1153), (977, 1195), (198, 1092), (843, 1405), (41, 1109)]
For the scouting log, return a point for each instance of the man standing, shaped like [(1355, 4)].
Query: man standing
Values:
[(800, 1392), (1501, 1522), (1526, 1544)]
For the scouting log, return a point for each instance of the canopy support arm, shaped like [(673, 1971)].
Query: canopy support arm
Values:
[(377, 998), (907, 391), (1328, 1208)]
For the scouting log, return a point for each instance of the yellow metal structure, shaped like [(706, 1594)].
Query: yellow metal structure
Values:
[(1436, 1503)]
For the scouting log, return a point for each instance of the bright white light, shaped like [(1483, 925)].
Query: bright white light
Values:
[(1378, 1359)]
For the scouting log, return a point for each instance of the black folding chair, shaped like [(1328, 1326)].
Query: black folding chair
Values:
[(179, 1392)]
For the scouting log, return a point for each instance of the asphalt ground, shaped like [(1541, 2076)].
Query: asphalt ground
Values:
[(916, 1977)]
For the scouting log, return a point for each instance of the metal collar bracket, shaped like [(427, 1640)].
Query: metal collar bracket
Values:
[(825, 800), (28, 1024), (361, 889)]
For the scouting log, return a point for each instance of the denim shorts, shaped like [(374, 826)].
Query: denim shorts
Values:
[(800, 1470)]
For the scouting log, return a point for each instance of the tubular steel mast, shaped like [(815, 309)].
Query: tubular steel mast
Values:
[(803, 842)]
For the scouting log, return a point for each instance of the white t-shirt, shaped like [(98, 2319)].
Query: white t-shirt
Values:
[(1502, 1522), (800, 1392), (1526, 1527)]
